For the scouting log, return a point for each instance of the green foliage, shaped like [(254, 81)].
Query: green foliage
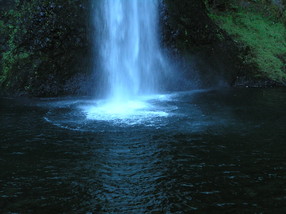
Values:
[(274, 9), (265, 38), (14, 54)]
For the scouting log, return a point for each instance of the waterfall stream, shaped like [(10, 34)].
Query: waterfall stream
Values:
[(132, 63)]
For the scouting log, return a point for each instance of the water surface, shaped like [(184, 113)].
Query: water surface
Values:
[(206, 151)]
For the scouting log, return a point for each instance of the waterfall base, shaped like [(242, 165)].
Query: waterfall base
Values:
[(130, 111)]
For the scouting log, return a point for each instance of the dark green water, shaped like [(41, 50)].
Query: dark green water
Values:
[(212, 152)]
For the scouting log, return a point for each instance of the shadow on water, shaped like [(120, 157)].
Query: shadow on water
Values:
[(216, 151)]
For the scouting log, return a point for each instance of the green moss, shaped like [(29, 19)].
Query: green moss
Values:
[(10, 60), (265, 38)]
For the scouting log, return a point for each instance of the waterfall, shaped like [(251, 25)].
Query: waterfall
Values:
[(131, 61)]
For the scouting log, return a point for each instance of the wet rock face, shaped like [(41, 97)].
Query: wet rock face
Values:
[(190, 32), (47, 43), (221, 55), (6, 4), (187, 25), (279, 3)]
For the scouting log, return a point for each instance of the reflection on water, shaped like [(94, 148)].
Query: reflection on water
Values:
[(216, 151)]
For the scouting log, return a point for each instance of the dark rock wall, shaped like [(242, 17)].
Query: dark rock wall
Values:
[(47, 44), (190, 33)]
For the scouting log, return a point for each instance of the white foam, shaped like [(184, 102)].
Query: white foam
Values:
[(130, 111)]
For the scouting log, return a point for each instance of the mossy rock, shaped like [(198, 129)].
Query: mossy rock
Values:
[(46, 44), (264, 38)]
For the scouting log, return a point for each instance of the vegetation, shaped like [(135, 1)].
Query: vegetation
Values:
[(258, 26)]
